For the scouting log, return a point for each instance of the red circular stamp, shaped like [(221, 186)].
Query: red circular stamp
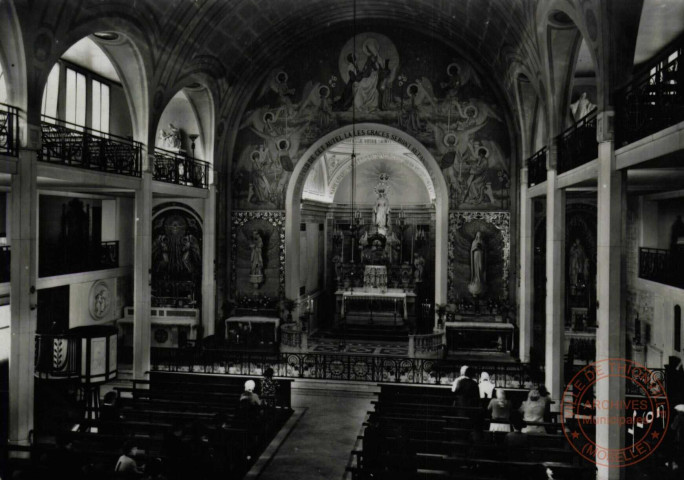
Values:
[(635, 415)]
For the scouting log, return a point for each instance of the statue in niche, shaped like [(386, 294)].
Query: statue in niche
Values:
[(579, 266), (478, 266), (171, 138), (582, 107), (381, 212), (256, 273), (419, 265)]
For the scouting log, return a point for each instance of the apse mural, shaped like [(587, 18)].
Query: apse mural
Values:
[(402, 81), (176, 257)]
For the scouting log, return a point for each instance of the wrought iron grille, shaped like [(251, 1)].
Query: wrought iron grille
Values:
[(69, 144), (577, 145), (653, 101), (360, 368), (536, 168), (662, 266), (171, 167), (109, 254), (9, 130)]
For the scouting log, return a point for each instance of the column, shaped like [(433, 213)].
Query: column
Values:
[(209, 263), (23, 294), (142, 292), (555, 278), (610, 335), (525, 309)]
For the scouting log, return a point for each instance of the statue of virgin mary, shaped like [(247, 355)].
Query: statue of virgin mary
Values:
[(478, 266)]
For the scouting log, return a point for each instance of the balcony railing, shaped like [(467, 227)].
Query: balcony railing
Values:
[(172, 167), (662, 266), (536, 168), (9, 130), (577, 145), (5, 262), (69, 144), (653, 101), (62, 259)]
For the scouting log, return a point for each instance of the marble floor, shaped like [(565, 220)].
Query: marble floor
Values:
[(320, 439)]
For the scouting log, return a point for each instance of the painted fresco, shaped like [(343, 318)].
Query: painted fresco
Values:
[(407, 82)]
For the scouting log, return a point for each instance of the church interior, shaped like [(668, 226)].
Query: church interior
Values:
[(290, 238)]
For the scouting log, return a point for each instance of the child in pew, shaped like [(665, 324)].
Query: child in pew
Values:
[(500, 411)]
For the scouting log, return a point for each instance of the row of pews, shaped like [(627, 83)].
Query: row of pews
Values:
[(416, 432), (189, 424)]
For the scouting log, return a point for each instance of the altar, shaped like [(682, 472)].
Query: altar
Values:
[(371, 305)]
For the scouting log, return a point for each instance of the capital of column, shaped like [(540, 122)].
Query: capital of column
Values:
[(605, 125)]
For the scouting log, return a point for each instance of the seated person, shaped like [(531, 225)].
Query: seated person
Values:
[(533, 410), (500, 410), (126, 466), (249, 407)]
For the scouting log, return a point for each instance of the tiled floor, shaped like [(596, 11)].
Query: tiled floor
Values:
[(357, 347), (319, 445)]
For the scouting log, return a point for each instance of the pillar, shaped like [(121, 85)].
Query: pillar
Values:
[(611, 332), (142, 276), (525, 308), (555, 278), (209, 263), (23, 293)]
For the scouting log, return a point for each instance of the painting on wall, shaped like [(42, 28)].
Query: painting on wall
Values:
[(406, 82), (479, 257), (176, 257), (258, 240)]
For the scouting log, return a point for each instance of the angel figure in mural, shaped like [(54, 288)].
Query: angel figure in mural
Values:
[(460, 73), (582, 107), (478, 265), (256, 257), (344, 102), (277, 83), (477, 189), (160, 253), (259, 186), (170, 138), (191, 254)]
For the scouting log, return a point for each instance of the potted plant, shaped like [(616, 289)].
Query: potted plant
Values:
[(289, 305)]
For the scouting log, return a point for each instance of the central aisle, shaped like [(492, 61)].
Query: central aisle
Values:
[(319, 445)]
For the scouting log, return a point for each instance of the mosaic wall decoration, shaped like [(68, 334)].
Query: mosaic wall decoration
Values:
[(258, 248), (407, 82), (479, 256)]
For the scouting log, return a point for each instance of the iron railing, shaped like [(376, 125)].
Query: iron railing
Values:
[(5, 263), (536, 168), (57, 356), (69, 144), (654, 100), (109, 255), (9, 130), (577, 145), (323, 366), (171, 167), (662, 266)]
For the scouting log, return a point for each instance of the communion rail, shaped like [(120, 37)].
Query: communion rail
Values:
[(325, 366)]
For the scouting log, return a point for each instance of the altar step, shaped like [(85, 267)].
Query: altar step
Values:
[(370, 333)]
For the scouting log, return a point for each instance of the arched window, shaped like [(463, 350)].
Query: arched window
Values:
[(678, 328)]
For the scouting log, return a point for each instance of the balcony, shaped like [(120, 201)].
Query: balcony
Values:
[(67, 144), (172, 167), (9, 130), (654, 100), (577, 145), (63, 259), (662, 266), (536, 168)]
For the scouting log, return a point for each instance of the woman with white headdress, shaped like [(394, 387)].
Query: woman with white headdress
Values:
[(486, 386)]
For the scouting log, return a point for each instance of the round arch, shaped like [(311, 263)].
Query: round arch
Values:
[(13, 63), (295, 188)]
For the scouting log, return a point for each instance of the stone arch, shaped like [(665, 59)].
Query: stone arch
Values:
[(296, 186)]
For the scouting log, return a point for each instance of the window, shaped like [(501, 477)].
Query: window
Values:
[(100, 106), (51, 92), (75, 97), (678, 328)]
